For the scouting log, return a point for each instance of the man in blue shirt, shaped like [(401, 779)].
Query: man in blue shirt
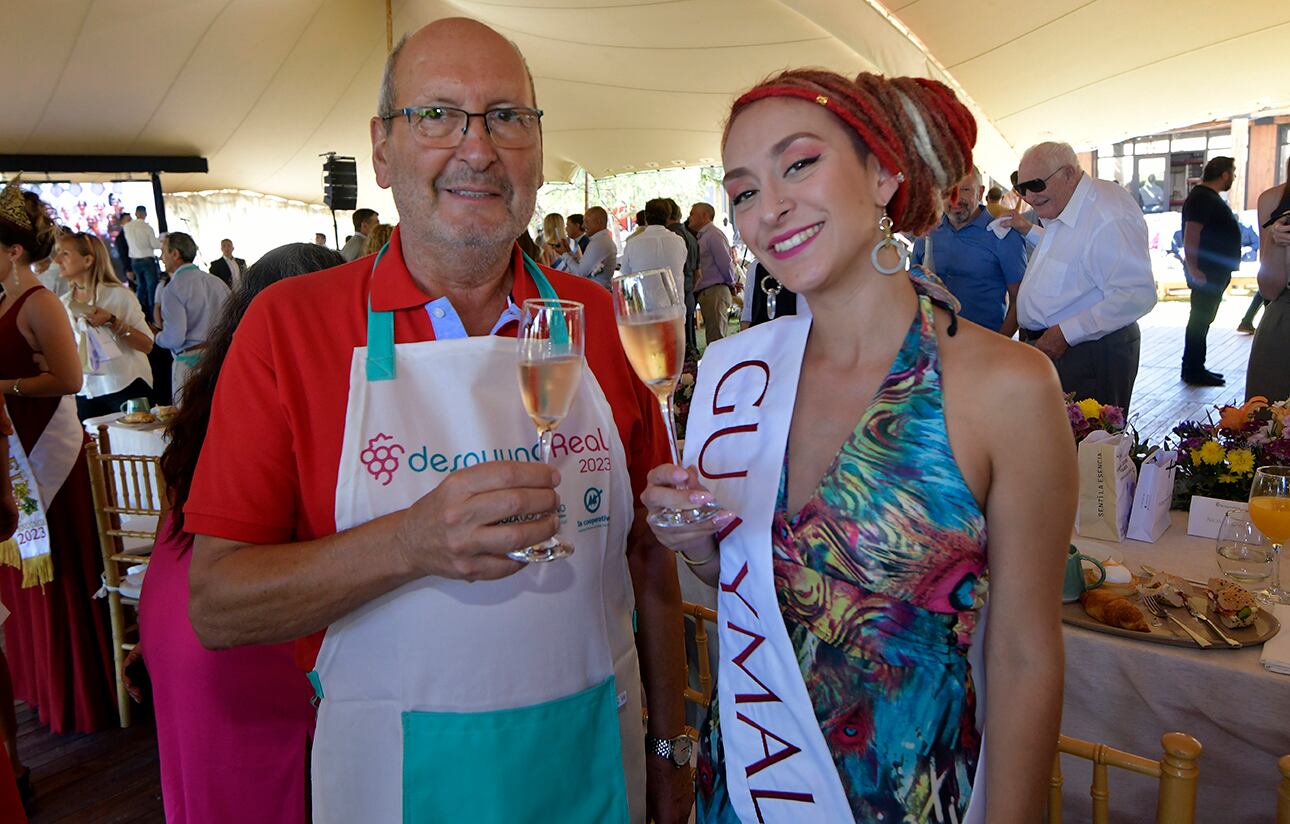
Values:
[(190, 306), (981, 269)]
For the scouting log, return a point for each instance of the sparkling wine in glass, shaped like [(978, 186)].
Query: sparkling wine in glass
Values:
[(651, 323), (1270, 512), (550, 341)]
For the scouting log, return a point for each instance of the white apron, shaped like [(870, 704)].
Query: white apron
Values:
[(778, 765), (515, 700)]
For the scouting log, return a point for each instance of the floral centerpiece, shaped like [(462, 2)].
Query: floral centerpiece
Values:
[(1218, 459)]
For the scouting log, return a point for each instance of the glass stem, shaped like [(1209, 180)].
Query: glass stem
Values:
[(1276, 568), (665, 406), (544, 444)]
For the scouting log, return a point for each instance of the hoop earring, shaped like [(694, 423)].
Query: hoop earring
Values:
[(889, 241)]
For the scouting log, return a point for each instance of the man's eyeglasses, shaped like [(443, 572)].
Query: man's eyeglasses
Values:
[(1036, 185), (444, 127)]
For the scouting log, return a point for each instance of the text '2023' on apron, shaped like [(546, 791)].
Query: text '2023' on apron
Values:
[(516, 700)]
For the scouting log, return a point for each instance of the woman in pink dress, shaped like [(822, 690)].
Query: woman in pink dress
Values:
[(233, 726)]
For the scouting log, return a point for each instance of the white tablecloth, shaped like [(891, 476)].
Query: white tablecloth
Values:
[(1127, 693)]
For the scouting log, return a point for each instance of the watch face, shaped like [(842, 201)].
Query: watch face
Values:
[(681, 750)]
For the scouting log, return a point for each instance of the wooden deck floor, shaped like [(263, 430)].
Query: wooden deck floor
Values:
[(109, 777), (113, 776)]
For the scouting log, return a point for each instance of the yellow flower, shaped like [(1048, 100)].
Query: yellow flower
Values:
[(1211, 453), (1241, 461), (1228, 479), (1092, 409)]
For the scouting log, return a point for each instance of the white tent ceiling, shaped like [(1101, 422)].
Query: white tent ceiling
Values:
[(262, 87)]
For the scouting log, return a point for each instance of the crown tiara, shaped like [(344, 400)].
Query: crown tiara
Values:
[(13, 209)]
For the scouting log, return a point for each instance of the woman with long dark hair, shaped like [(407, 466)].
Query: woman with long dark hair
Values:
[(56, 638), (232, 725)]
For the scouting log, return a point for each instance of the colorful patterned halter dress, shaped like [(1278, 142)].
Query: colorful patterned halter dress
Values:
[(880, 578)]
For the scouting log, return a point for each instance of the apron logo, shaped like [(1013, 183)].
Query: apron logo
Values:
[(382, 459), (591, 499)]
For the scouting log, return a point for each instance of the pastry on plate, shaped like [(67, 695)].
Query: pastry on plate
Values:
[(139, 418), (1113, 609), (165, 413)]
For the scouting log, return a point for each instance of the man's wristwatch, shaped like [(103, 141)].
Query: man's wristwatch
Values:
[(675, 750)]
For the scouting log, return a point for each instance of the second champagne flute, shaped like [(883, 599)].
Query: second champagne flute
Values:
[(550, 340), (651, 322)]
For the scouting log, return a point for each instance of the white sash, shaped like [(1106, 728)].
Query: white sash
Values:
[(778, 767), (37, 479)]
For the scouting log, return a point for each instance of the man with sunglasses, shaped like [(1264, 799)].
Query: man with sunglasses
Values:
[(1089, 278), (392, 480)]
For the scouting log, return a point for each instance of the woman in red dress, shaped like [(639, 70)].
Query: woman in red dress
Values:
[(56, 637)]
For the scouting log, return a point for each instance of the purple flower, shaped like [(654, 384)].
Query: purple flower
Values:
[(1114, 417)]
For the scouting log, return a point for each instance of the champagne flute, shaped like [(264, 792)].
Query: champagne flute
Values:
[(1270, 511), (651, 323), (550, 340)]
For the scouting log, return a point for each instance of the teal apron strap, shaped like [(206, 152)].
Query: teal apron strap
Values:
[(559, 335), (380, 325), (380, 336)]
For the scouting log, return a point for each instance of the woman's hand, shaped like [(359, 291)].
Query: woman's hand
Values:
[(132, 657), (98, 316), (674, 487)]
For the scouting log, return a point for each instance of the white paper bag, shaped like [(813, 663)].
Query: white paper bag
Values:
[(1106, 481), (1153, 496)]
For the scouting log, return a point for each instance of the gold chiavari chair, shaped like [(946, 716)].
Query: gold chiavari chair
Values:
[(1176, 771), (701, 616), (128, 495), (1283, 791)]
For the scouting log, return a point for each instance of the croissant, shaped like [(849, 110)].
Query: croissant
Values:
[(1114, 610)]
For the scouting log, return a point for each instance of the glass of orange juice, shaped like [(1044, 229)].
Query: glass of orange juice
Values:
[(1270, 511)]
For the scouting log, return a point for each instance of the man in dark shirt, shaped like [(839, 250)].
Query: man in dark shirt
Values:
[(1212, 251)]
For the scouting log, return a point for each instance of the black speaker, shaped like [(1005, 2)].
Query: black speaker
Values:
[(340, 183)]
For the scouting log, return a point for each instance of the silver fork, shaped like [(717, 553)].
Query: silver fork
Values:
[(1159, 610)]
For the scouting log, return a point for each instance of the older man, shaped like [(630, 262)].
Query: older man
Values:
[(597, 260), (189, 306), (1089, 278), (394, 483), (982, 269), (715, 286)]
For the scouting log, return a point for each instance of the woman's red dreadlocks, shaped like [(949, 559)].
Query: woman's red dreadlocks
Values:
[(913, 126)]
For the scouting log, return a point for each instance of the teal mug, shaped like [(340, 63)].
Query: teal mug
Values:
[(136, 405), (1073, 586)]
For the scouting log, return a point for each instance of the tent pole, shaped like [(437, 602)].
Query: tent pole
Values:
[(389, 27), (586, 191), (335, 230), (159, 203)]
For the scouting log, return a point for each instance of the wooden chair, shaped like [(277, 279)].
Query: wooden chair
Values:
[(124, 486), (1176, 771), (701, 616), (1283, 791)]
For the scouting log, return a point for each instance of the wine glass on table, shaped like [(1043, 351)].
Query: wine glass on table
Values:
[(1244, 554), (550, 342), (1270, 511), (651, 322)]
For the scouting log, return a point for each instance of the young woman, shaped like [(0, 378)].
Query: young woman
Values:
[(56, 638), (232, 725), (98, 301), (887, 468), (555, 243)]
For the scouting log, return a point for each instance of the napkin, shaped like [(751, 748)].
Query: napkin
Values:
[(997, 226), (1276, 652)]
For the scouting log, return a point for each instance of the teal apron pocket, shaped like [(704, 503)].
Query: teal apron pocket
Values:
[(557, 761), (190, 360)]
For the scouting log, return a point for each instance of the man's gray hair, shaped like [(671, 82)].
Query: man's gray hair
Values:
[(183, 243), (385, 103), (1053, 156)]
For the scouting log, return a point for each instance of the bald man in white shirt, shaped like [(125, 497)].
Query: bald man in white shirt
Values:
[(1089, 278)]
